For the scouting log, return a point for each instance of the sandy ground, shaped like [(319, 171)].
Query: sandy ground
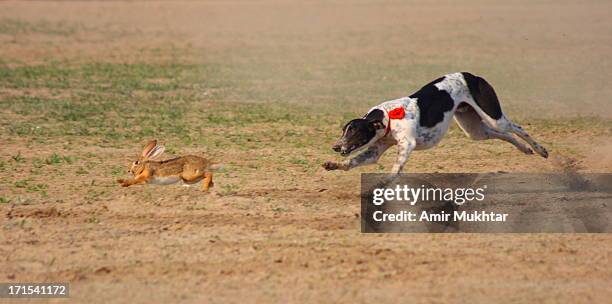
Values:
[(277, 228)]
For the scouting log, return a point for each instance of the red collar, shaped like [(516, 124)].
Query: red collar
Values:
[(397, 113)]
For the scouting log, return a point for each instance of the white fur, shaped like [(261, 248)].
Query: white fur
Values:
[(164, 180), (168, 180)]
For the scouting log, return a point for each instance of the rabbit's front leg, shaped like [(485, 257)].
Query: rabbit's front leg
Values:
[(140, 179)]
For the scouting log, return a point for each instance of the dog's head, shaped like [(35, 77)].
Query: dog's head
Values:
[(361, 133)]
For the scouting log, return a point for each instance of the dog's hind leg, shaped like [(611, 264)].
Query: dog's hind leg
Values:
[(485, 103), (501, 129), (516, 129), (473, 126), (508, 138)]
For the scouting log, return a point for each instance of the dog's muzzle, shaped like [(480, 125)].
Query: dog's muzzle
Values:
[(342, 149)]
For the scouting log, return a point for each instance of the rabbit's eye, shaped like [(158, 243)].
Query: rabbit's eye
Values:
[(136, 162)]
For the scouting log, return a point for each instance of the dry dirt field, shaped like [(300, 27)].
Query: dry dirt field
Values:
[(264, 87)]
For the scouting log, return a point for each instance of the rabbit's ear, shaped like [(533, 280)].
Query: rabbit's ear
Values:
[(147, 149), (156, 152)]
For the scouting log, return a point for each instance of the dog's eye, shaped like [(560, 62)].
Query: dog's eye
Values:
[(136, 162)]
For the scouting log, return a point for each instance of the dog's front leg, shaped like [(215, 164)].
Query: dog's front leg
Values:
[(405, 148), (369, 156)]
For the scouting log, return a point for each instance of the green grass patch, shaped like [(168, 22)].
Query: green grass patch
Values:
[(299, 161), (12, 26), (118, 170), (22, 183), (18, 158), (221, 106), (56, 159)]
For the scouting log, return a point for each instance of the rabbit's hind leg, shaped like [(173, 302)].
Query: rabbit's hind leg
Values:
[(191, 177), (195, 173), (208, 181)]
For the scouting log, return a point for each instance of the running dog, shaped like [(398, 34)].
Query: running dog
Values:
[(419, 122)]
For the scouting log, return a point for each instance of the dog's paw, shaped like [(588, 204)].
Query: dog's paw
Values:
[(542, 151), (330, 166)]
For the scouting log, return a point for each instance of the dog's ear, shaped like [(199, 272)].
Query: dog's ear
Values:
[(378, 125), (376, 117)]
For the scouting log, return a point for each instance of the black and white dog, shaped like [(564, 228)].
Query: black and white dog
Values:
[(419, 122)]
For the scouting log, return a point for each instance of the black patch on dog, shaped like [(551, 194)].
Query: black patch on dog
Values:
[(375, 115), (484, 95), (432, 103)]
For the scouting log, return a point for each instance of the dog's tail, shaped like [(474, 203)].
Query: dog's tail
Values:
[(215, 167)]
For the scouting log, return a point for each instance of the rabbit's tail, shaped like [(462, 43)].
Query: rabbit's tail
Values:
[(215, 167)]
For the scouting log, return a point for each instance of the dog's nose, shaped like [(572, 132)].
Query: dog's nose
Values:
[(337, 148)]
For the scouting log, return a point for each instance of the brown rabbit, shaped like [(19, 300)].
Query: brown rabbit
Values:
[(188, 169)]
